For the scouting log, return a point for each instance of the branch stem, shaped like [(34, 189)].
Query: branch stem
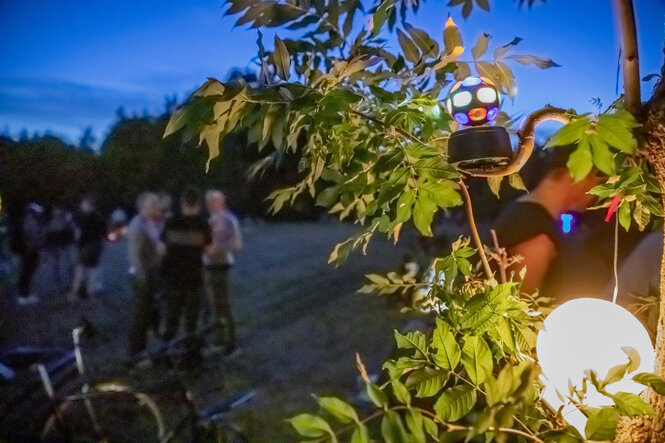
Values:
[(474, 229), (625, 16)]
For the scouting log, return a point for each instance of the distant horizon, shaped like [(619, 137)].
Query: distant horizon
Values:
[(81, 61)]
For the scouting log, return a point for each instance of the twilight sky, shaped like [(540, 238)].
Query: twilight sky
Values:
[(67, 65)]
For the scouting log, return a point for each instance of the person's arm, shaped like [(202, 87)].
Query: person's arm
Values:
[(538, 253), (236, 241), (134, 245)]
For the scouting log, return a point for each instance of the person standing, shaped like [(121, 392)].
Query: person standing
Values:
[(145, 250), (29, 241), (59, 240), (218, 259), (90, 231), (185, 236)]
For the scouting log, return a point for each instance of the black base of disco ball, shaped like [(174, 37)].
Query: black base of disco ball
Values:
[(480, 146)]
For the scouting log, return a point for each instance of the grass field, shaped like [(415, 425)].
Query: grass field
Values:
[(300, 321)]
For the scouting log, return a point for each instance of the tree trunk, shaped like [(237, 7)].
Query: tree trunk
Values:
[(638, 430), (654, 149)]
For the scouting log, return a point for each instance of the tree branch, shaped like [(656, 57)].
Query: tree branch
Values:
[(474, 229), (625, 16), (525, 144)]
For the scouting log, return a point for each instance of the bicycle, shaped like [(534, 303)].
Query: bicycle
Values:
[(198, 424), (105, 411)]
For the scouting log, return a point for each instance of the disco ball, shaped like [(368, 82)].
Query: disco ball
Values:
[(474, 101)]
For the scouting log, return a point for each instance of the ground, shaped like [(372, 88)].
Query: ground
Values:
[(300, 322)]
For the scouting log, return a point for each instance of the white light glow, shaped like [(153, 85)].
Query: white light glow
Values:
[(486, 95), (589, 333), (462, 98), (449, 106)]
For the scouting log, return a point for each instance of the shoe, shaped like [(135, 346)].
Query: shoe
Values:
[(28, 300)]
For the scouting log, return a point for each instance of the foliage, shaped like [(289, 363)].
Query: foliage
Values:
[(371, 137), (366, 123)]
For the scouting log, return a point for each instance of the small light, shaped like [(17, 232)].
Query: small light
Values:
[(477, 114), (461, 118), (471, 81), (462, 98), (492, 113), (476, 97), (566, 223), (436, 111), (486, 95)]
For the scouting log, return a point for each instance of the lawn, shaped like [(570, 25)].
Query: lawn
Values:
[(300, 322)]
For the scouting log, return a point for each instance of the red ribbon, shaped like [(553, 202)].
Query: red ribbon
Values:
[(613, 207)]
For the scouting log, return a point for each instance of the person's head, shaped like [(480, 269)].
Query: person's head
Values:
[(87, 205), (547, 175), (149, 206), (215, 201), (190, 201)]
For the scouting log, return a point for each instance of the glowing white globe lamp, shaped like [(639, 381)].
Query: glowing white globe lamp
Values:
[(589, 333)]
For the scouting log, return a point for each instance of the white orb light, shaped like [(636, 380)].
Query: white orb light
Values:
[(589, 333)]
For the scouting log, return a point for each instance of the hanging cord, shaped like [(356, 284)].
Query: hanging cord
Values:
[(616, 254)]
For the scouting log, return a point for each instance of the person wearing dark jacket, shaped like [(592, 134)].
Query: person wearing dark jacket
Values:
[(185, 236), (90, 232), (29, 241)]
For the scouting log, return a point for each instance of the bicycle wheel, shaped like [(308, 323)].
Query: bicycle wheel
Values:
[(109, 412)]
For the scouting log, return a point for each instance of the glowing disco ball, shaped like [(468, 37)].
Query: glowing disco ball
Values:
[(589, 333), (474, 101)]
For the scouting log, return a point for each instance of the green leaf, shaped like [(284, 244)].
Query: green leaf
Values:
[(412, 340), (567, 435), (409, 48), (480, 47), (401, 392), (423, 213), (642, 215), (431, 428), (426, 381), (423, 40), (309, 425), (337, 408), (455, 403), (602, 156), (495, 184), (569, 133), (380, 15), (631, 404), (602, 424), (452, 39), (616, 134), (414, 422), (624, 215), (580, 161), (542, 63), (649, 379), (477, 359), (282, 59), (448, 351), (515, 180), (392, 428), (377, 396), (360, 434)]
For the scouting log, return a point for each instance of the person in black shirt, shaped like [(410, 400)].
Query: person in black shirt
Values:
[(90, 232), (527, 227), (185, 236)]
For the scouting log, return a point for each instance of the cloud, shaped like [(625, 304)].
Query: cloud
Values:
[(67, 107)]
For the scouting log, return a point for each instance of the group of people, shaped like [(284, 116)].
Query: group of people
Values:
[(52, 240), (187, 259)]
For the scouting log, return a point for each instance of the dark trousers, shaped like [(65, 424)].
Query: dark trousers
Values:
[(145, 312), (182, 298), (217, 294), (29, 262)]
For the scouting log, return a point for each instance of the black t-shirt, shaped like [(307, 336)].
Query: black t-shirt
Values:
[(523, 220), (185, 237), (92, 228)]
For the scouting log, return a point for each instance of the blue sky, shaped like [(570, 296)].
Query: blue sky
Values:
[(67, 65)]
